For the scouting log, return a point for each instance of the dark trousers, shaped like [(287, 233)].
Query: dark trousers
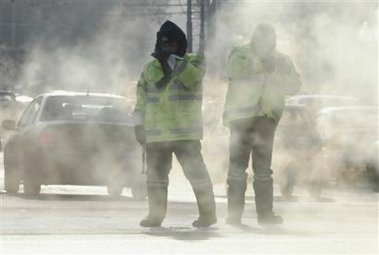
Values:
[(159, 164), (255, 137)]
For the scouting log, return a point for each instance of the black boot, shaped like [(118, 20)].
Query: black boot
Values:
[(149, 223), (207, 207), (204, 221), (157, 197), (264, 196), (269, 219), (236, 201)]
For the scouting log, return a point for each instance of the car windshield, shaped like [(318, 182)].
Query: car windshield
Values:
[(85, 108)]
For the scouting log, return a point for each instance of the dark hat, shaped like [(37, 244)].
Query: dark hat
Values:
[(264, 31), (173, 33), (263, 40)]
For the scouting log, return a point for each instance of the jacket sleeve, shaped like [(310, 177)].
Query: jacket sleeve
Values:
[(190, 71), (290, 77), (242, 65), (239, 66), (139, 109)]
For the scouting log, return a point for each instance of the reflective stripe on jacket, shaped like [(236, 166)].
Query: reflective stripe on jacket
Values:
[(173, 112), (254, 92)]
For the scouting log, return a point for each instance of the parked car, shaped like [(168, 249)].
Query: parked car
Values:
[(315, 102), (23, 100), (73, 138), (372, 165), (9, 109), (346, 134), (296, 148)]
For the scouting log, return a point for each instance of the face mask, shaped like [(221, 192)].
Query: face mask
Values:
[(169, 46)]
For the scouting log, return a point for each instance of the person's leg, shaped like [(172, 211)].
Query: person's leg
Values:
[(189, 156), (159, 162), (264, 131), (239, 154)]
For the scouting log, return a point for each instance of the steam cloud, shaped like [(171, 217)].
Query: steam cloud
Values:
[(334, 46)]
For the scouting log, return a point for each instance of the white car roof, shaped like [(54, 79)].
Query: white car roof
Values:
[(345, 108), (322, 96), (79, 93)]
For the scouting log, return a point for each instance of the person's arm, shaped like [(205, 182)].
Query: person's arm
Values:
[(242, 66), (139, 110), (239, 66), (140, 106), (290, 78), (191, 71)]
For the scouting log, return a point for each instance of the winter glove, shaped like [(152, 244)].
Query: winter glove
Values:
[(163, 82), (268, 63), (139, 132), (162, 57)]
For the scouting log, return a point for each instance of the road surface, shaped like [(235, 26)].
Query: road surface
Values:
[(84, 220)]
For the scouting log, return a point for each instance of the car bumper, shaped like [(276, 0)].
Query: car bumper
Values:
[(57, 166)]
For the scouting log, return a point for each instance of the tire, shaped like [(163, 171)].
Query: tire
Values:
[(32, 184), (12, 178), (31, 187), (288, 182), (11, 182), (12, 175)]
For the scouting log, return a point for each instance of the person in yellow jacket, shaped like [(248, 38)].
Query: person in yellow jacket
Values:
[(260, 78), (169, 121)]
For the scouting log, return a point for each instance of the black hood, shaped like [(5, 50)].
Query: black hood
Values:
[(173, 33)]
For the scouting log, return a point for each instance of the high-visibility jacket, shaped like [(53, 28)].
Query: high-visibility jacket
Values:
[(254, 92), (173, 112)]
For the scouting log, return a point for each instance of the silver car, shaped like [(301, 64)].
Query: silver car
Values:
[(346, 133), (73, 138)]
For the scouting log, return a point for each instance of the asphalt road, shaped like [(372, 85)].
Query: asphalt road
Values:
[(83, 220)]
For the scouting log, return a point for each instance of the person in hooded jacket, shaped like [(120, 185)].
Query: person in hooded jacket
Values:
[(168, 120), (260, 78)]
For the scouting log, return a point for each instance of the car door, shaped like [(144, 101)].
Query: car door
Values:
[(13, 151), (26, 126)]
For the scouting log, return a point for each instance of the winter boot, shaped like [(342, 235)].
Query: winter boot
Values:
[(236, 201), (264, 194), (157, 197), (149, 223), (207, 207), (269, 219)]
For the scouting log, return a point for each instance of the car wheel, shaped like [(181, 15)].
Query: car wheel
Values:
[(11, 182), (32, 186), (287, 183), (114, 190), (12, 176)]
